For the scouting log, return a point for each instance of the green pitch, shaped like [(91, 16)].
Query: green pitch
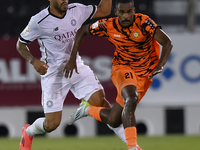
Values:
[(169, 142)]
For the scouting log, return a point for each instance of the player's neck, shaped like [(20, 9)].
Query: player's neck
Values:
[(57, 13)]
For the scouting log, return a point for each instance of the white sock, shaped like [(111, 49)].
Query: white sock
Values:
[(119, 131), (36, 128)]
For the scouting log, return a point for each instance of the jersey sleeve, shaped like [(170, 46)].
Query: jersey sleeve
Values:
[(30, 33), (86, 11), (99, 28), (149, 25)]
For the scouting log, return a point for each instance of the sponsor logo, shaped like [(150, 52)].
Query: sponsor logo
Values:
[(66, 37)]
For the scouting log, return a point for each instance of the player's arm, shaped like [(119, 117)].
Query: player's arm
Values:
[(103, 9), (39, 66), (164, 40), (71, 64)]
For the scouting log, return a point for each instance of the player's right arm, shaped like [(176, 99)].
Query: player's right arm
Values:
[(71, 64), (39, 66)]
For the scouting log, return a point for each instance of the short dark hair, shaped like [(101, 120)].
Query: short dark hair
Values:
[(123, 1)]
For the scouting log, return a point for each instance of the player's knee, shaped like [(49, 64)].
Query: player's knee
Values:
[(132, 100), (131, 103)]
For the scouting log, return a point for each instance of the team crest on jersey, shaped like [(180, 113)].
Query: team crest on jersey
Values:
[(49, 103), (136, 34), (73, 22), (26, 30)]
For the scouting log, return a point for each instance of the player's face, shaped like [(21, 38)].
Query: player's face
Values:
[(125, 13), (59, 5)]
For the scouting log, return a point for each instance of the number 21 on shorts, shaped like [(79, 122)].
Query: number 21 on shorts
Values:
[(128, 75)]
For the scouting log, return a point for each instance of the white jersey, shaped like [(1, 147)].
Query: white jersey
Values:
[(56, 35)]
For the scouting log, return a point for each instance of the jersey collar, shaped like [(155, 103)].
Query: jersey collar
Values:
[(55, 15)]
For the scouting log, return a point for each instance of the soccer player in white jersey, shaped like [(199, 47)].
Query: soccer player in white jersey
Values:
[(55, 28)]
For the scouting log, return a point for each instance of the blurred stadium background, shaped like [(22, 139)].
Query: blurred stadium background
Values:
[(172, 104)]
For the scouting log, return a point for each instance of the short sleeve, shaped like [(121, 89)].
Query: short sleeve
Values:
[(99, 28), (30, 33), (86, 11), (149, 25)]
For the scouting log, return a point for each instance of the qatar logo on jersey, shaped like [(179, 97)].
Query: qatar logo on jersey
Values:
[(73, 22), (66, 37)]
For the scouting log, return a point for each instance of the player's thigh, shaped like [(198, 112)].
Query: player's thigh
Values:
[(87, 85), (54, 93), (122, 76)]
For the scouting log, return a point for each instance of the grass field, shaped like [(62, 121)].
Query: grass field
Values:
[(169, 142)]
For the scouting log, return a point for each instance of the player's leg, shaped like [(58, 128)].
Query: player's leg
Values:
[(100, 110), (40, 126), (125, 81), (90, 89), (112, 117), (52, 105), (130, 96)]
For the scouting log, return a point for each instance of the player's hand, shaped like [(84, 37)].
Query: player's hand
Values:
[(156, 71), (40, 66), (69, 67)]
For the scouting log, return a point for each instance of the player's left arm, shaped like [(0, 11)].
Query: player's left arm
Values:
[(103, 9), (164, 40)]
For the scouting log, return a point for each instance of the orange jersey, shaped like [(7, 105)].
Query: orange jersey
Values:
[(135, 46)]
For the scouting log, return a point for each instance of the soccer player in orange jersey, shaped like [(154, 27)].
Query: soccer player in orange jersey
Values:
[(136, 60)]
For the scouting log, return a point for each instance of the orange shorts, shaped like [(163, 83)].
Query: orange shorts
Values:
[(123, 75)]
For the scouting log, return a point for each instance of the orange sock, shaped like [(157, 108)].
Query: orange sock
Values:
[(131, 136), (94, 112)]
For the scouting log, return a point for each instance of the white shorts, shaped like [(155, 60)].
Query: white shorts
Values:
[(56, 86)]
